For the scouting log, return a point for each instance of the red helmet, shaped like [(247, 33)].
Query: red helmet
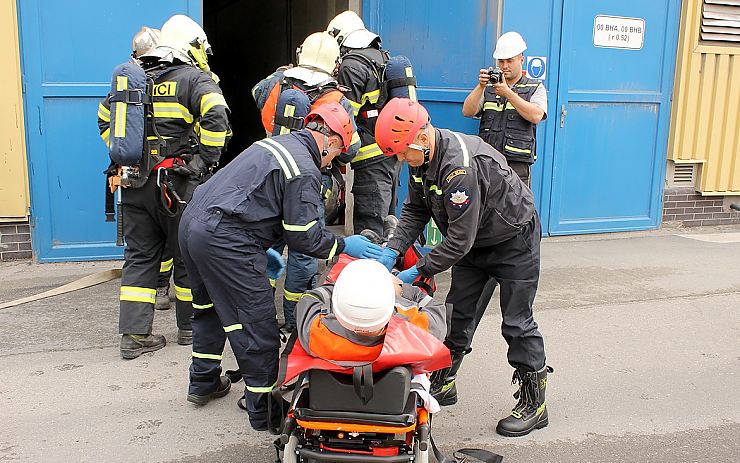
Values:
[(398, 124), (336, 117)]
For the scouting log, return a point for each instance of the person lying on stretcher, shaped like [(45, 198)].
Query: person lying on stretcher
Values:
[(351, 321)]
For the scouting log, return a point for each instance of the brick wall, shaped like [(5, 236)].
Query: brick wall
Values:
[(15, 241), (690, 209)]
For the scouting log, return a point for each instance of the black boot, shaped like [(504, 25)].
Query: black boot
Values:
[(133, 345), (223, 388), (443, 381), (530, 412), (184, 337), (162, 298)]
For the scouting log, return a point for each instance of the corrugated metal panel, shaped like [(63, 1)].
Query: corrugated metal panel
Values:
[(13, 170), (705, 127)]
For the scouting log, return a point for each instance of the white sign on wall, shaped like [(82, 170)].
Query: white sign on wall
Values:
[(619, 32)]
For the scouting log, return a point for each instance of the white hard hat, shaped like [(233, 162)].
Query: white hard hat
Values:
[(187, 39), (144, 40), (364, 297), (319, 51), (509, 45), (349, 30)]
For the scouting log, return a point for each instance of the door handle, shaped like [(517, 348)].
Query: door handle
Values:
[(563, 113)]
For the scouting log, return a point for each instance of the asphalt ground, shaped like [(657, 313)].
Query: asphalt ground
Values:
[(641, 328)]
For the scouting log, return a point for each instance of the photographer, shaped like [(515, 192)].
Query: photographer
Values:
[(509, 105)]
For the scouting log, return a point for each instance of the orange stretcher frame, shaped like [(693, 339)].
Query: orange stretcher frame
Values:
[(422, 417)]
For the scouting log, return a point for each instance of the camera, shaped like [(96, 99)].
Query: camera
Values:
[(495, 76)]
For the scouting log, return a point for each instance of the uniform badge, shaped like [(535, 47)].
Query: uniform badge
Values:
[(459, 198)]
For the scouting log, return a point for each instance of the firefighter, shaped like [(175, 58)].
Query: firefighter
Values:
[(268, 193), (318, 57), (360, 71), (185, 100), (491, 229)]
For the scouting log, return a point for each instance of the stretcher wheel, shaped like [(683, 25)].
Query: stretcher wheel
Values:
[(289, 455), (421, 456)]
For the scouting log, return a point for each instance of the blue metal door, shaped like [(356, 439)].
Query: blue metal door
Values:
[(447, 42), (69, 49), (612, 114)]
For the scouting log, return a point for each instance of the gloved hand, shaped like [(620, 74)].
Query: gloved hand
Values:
[(362, 248), (196, 167), (388, 258), (275, 264), (409, 275)]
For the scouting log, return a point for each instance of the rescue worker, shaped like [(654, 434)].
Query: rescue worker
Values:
[(509, 110), (375, 175), (268, 193), (318, 57), (491, 230), (347, 321), (185, 98)]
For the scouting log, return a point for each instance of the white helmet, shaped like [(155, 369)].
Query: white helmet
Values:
[(364, 297), (187, 40), (509, 45), (319, 52), (144, 40), (349, 30)]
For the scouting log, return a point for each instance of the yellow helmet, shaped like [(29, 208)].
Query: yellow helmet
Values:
[(319, 51), (145, 40), (187, 39)]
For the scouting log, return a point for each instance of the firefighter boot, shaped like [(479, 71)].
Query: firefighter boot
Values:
[(443, 381), (184, 337), (223, 388), (530, 412), (163, 298), (133, 345)]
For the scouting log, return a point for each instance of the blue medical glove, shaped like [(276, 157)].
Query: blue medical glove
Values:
[(275, 264), (388, 258), (409, 275), (362, 248)]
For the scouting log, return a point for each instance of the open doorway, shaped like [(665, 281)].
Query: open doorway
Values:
[(249, 42)]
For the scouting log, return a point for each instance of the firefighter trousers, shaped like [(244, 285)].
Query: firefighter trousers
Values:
[(373, 191), (148, 230), (232, 298), (515, 265)]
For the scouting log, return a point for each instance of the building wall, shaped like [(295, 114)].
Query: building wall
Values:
[(15, 236), (13, 169), (705, 122)]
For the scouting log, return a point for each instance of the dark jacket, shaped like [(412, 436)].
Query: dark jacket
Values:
[(360, 73), (190, 112), (271, 191), (473, 196)]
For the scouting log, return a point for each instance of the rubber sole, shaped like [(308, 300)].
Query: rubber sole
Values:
[(447, 401), (130, 354), (204, 399), (163, 305), (184, 340), (539, 425)]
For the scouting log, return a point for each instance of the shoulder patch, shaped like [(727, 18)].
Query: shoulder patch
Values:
[(454, 174), (460, 198)]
